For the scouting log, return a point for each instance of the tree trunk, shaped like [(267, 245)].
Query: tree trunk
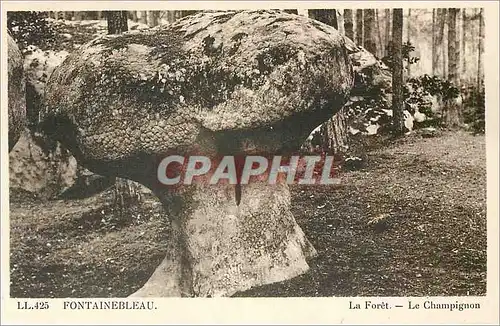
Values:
[(135, 18), (184, 13), (380, 47), (480, 69), (408, 39), (387, 30), (452, 45), (117, 22), (440, 41), (79, 15), (340, 24), (170, 16), (348, 24), (68, 15), (464, 37), (451, 110), (369, 31), (359, 27), (434, 52), (397, 73), (334, 131), (144, 17), (153, 18), (444, 13), (327, 16), (458, 56)]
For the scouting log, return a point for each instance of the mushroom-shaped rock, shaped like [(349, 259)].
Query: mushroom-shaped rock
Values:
[(213, 84), (16, 92)]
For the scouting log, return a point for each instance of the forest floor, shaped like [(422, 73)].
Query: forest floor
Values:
[(410, 222)]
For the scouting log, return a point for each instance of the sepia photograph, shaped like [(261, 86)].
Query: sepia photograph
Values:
[(248, 153)]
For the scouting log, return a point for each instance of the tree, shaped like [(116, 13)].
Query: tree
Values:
[(387, 29), (452, 45), (68, 15), (153, 18), (334, 131), (439, 41), (183, 13), (327, 16), (170, 16), (480, 70), (380, 47), (369, 31), (397, 71), (408, 33), (144, 17), (451, 110), (135, 18), (434, 46), (348, 24), (464, 37), (359, 26), (444, 14), (117, 22)]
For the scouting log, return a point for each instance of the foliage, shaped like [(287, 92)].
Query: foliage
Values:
[(433, 85), (30, 28), (406, 51), (474, 102)]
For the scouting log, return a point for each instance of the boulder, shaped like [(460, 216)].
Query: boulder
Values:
[(16, 92), (212, 84)]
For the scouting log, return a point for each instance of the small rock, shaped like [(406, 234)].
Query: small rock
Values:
[(428, 132)]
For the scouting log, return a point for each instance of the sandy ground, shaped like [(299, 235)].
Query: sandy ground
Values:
[(411, 222)]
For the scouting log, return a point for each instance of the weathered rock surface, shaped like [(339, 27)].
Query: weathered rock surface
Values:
[(34, 170), (16, 92), (214, 84)]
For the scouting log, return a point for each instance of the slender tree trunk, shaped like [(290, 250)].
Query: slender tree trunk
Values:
[(144, 17), (68, 15), (327, 16), (369, 31), (135, 18), (79, 15), (340, 23), (348, 24), (380, 47), (359, 27), (441, 54), (334, 131), (451, 110), (153, 18), (464, 37), (387, 30), (445, 43), (458, 56), (117, 22), (170, 16), (452, 44), (408, 40), (397, 72), (480, 69), (434, 52), (184, 13)]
